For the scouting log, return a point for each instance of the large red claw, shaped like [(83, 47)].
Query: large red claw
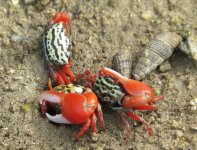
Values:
[(132, 87), (78, 108)]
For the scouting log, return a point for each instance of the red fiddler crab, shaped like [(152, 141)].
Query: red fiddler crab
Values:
[(57, 48), (69, 104), (122, 94)]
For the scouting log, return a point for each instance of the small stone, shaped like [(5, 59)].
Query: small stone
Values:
[(57, 1), (179, 133), (113, 3), (193, 104), (193, 127), (29, 1), (93, 145), (175, 124), (148, 15), (44, 2), (95, 137), (190, 82), (6, 40), (165, 67), (15, 2), (16, 38), (11, 71)]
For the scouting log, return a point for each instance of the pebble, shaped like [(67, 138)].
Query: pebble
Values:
[(175, 124), (15, 2), (95, 137), (190, 82), (179, 133), (6, 40), (148, 15), (16, 38), (193, 104), (165, 67), (44, 2), (29, 1)]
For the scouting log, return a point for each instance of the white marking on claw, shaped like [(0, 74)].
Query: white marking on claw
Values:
[(58, 119), (46, 95)]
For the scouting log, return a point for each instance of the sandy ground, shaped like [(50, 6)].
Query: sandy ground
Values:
[(100, 29)]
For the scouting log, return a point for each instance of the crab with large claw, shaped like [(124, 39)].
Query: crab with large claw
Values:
[(123, 94), (69, 104), (57, 46)]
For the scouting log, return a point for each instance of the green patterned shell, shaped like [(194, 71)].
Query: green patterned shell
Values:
[(107, 90), (56, 45)]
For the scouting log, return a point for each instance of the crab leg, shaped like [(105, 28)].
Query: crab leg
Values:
[(145, 123), (56, 76), (93, 123), (68, 72), (125, 122), (83, 130), (100, 116), (64, 77), (147, 107)]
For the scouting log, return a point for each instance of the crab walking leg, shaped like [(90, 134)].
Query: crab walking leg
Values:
[(93, 123), (100, 116), (145, 123), (64, 77), (83, 130), (68, 72), (147, 107), (126, 123), (56, 76)]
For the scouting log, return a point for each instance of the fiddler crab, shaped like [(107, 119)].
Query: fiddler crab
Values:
[(122, 94), (72, 104), (57, 48), (66, 103)]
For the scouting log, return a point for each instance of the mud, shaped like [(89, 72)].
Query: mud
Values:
[(100, 29)]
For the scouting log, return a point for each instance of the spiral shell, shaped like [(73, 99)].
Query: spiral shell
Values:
[(122, 63), (158, 50)]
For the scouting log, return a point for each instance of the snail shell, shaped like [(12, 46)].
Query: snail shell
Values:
[(158, 50), (122, 63)]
